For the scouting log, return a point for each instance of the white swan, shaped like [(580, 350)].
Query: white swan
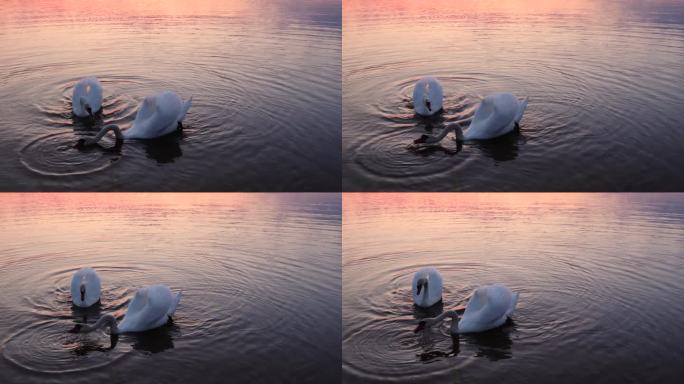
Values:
[(497, 115), (85, 287), (150, 308), (489, 307), (427, 287), (87, 97), (157, 116), (427, 96)]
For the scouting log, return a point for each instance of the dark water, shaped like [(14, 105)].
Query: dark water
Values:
[(264, 76), (604, 80), (599, 276), (260, 275)]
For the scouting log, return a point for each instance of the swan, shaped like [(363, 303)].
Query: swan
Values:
[(158, 115), (489, 307), (85, 287), (427, 96), (427, 287), (87, 97), (496, 115), (150, 308)]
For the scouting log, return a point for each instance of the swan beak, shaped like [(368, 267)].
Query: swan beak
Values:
[(75, 329), (90, 111), (420, 327), (428, 105), (420, 286), (83, 292), (420, 140)]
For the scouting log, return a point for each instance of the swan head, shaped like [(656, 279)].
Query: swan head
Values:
[(421, 285), (84, 143), (85, 105), (428, 104), (421, 140)]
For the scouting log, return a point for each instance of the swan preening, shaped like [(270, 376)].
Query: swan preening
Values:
[(158, 115), (427, 96), (150, 308), (489, 307), (427, 287), (85, 287), (497, 115), (87, 97)]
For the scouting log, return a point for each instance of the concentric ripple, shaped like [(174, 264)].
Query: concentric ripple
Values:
[(55, 154), (582, 102), (580, 265), (47, 347)]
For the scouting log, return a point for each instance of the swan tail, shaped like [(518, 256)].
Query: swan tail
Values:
[(521, 110), (174, 303), (186, 107), (514, 302)]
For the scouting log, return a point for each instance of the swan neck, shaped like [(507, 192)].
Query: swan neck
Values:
[(458, 131), (111, 127), (104, 321), (426, 293)]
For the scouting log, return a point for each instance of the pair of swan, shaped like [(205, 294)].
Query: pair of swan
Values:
[(497, 114), (489, 306), (150, 308), (158, 115)]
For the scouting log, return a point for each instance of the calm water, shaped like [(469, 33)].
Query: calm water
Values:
[(260, 276), (604, 80), (264, 76), (599, 276)]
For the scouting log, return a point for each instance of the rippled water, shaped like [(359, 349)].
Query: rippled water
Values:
[(260, 276), (604, 81), (599, 276), (264, 77)]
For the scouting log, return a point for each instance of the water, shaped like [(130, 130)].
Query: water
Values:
[(260, 275), (264, 76), (604, 79), (599, 276)]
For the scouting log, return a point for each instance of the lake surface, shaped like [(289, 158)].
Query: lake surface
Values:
[(599, 277), (264, 77), (604, 81), (260, 276)]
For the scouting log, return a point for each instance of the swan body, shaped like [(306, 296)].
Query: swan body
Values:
[(497, 115), (87, 97), (85, 287), (150, 308), (489, 307), (427, 96), (427, 287), (158, 115)]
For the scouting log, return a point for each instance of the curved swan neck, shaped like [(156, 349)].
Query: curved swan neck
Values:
[(104, 321), (111, 127), (429, 322), (458, 131)]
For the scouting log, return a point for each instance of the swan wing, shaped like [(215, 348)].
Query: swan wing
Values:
[(494, 117), (156, 116), (94, 94), (436, 95), (79, 91), (147, 310), (419, 96), (486, 308)]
